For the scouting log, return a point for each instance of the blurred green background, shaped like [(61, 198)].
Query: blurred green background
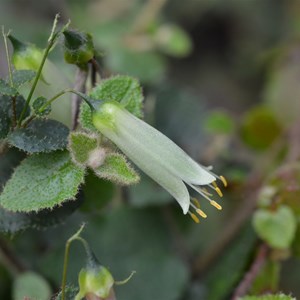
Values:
[(221, 79)]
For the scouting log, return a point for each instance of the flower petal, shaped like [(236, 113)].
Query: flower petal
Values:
[(145, 157), (167, 152)]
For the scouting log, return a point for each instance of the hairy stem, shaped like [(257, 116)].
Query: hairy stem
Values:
[(79, 86), (7, 56)]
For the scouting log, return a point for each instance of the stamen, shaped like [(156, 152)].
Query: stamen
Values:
[(201, 213), (200, 192), (219, 192), (216, 205), (196, 202), (205, 191), (223, 180), (216, 188), (194, 217)]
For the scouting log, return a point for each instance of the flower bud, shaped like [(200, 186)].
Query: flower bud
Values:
[(79, 47), (95, 281), (25, 56)]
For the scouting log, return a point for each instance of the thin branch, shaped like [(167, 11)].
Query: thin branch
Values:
[(80, 82), (14, 111), (95, 71), (258, 263), (5, 35)]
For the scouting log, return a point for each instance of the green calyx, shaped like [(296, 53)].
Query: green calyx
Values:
[(104, 118), (79, 47), (95, 280)]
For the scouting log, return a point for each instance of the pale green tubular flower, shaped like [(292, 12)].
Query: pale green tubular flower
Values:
[(156, 155)]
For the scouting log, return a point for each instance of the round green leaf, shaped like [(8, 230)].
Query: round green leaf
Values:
[(32, 286), (277, 228)]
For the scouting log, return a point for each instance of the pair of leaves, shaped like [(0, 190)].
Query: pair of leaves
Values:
[(107, 165)]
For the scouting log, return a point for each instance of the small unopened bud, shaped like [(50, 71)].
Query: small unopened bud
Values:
[(25, 56), (79, 47), (96, 158)]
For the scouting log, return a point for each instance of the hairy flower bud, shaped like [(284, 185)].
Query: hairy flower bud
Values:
[(79, 47)]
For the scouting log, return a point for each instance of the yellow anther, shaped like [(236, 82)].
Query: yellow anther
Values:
[(196, 202), (201, 213), (223, 180), (216, 205), (214, 184), (219, 191), (194, 217)]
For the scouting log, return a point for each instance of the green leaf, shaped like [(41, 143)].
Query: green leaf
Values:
[(11, 222), (219, 122), (6, 89), (42, 181), (277, 228), (38, 103), (31, 285), (123, 89), (117, 169), (22, 76), (173, 40), (80, 146), (6, 112), (268, 297), (40, 135)]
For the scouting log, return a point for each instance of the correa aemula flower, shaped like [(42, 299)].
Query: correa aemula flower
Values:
[(159, 157)]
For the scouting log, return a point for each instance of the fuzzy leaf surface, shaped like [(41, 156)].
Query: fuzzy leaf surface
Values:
[(6, 112), (20, 77), (6, 89), (42, 181), (80, 145), (40, 135), (38, 103), (117, 169)]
